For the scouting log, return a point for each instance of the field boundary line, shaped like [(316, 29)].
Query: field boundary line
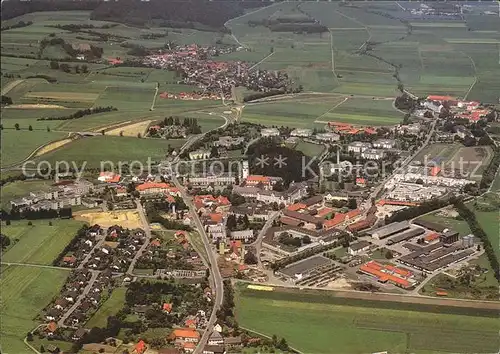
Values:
[(331, 109), (260, 62), (11, 85), (244, 15), (154, 97), (475, 74), (34, 265)]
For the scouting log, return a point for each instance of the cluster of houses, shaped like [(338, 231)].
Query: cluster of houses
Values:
[(376, 150), (82, 245), (174, 258), (473, 111), (118, 250), (78, 300), (260, 188), (195, 67)]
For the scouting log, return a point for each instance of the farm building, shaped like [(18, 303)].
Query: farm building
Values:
[(406, 235), (305, 267)]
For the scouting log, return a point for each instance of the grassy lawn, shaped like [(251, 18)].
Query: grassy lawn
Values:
[(112, 148), (19, 144), (336, 325), (39, 243), (197, 243), (109, 308), (458, 225), (309, 149), (25, 292), (19, 189)]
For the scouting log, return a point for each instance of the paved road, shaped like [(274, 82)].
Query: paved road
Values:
[(91, 252), (68, 313), (147, 231), (214, 269), (258, 242)]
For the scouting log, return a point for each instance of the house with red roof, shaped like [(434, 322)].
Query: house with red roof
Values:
[(167, 307), (140, 347), (182, 335), (109, 177)]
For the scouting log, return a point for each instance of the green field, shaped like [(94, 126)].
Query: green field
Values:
[(326, 324), (19, 144), (109, 308), (302, 112), (25, 292), (39, 243), (309, 149), (458, 225), (111, 148)]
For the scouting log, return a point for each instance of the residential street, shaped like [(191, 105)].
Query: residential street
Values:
[(147, 231), (68, 313)]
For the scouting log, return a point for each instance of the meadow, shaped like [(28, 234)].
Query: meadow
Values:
[(458, 225), (19, 144), (109, 308), (39, 243), (111, 148), (25, 292), (324, 323)]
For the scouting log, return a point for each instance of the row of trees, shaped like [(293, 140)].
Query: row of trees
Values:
[(19, 24), (54, 65), (425, 207), (82, 112), (475, 227), (274, 92), (72, 245), (490, 172), (30, 214)]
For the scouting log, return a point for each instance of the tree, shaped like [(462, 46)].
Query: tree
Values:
[(352, 204), (103, 132), (65, 67), (30, 128), (30, 223), (16, 126), (7, 222), (54, 65), (306, 240), (250, 258), (50, 223), (121, 132), (388, 254), (4, 241), (48, 128), (6, 100), (29, 337), (139, 135)]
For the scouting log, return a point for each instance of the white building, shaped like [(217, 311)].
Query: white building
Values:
[(245, 235), (358, 248), (199, 155), (328, 136), (373, 154), (215, 180), (358, 147), (384, 144), (269, 132), (303, 132)]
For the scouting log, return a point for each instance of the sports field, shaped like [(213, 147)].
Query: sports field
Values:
[(25, 292), (111, 148), (39, 243), (326, 324), (109, 308), (310, 149)]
